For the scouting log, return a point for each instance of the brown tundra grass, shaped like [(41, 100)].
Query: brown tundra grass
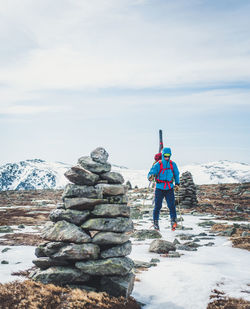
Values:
[(33, 295)]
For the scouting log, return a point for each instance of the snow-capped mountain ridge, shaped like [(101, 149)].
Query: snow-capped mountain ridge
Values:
[(32, 174), (40, 174), (222, 171)]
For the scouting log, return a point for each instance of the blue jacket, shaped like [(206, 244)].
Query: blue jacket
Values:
[(166, 175)]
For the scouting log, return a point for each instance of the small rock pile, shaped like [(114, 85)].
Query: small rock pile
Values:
[(87, 242), (187, 193)]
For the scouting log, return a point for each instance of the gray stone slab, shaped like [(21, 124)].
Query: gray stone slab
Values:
[(82, 203), (111, 210), (65, 232), (110, 238), (111, 266), (118, 224)]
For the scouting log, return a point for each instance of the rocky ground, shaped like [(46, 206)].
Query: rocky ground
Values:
[(227, 201), (21, 210)]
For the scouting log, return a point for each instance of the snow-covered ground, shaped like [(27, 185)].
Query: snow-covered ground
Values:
[(187, 282), (175, 283), (19, 258)]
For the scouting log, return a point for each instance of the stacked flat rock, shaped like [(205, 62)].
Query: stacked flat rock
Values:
[(87, 243), (187, 192)]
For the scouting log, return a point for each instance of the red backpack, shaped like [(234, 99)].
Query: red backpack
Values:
[(162, 170)]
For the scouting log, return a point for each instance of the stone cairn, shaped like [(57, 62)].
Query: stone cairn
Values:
[(87, 242), (187, 192)]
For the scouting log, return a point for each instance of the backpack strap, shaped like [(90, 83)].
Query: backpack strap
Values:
[(171, 166)]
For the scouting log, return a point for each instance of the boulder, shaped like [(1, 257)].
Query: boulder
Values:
[(99, 155), (118, 285), (191, 244), (6, 229), (60, 275), (46, 262), (66, 232), (142, 264), (113, 177), (118, 224), (111, 190), (72, 190), (80, 176), (93, 166), (73, 216), (111, 266), (161, 246), (78, 252), (121, 250), (111, 210), (185, 248), (146, 234), (110, 238), (173, 254), (82, 203)]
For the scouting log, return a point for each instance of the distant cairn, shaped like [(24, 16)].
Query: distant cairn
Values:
[(187, 195), (87, 243)]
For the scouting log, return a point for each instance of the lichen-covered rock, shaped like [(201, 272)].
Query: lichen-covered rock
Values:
[(93, 166), (113, 177), (111, 190), (118, 224), (73, 216), (72, 190), (110, 238), (161, 246), (111, 210), (46, 262), (118, 285), (111, 266), (78, 252), (48, 248), (117, 199), (80, 176), (82, 203), (65, 232), (99, 155), (60, 275), (121, 250)]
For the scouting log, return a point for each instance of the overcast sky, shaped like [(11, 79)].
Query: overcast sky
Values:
[(77, 74)]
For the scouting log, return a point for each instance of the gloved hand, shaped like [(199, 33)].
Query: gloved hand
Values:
[(177, 187), (151, 177)]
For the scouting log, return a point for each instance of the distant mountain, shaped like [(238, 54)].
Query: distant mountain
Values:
[(219, 172), (32, 174), (40, 174), (208, 173)]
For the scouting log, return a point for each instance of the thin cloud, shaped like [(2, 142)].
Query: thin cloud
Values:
[(20, 109), (117, 44)]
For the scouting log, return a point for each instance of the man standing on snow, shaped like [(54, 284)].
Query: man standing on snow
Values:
[(165, 172)]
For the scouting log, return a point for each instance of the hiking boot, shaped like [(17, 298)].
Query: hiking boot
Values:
[(156, 225), (173, 225)]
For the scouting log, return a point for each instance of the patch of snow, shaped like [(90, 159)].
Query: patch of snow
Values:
[(187, 282), (19, 258)]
